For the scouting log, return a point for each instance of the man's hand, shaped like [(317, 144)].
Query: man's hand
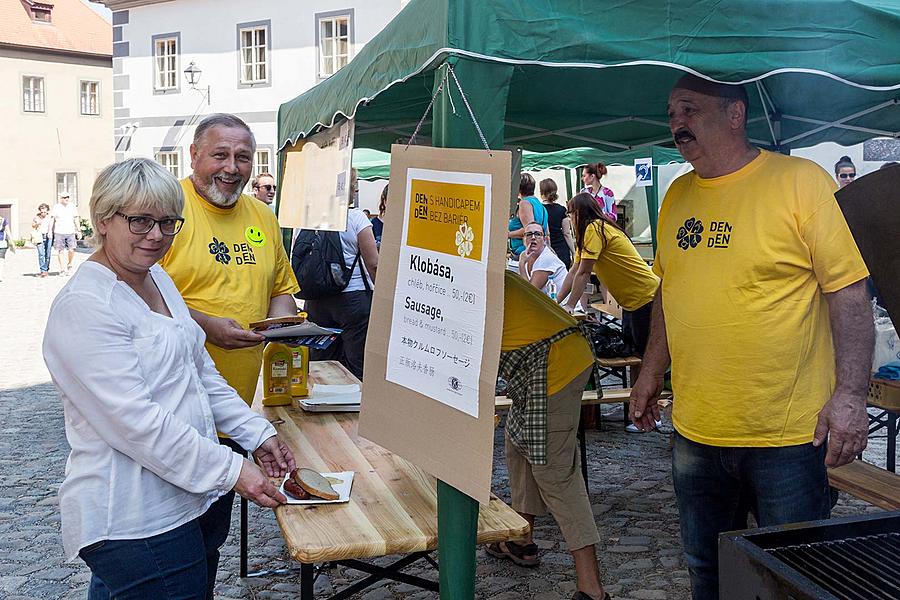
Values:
[(844, 422), (228, 334), (276, 457), (253, 485), (644, 401)]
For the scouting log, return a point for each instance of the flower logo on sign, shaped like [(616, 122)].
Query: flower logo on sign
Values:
[(464, 237)]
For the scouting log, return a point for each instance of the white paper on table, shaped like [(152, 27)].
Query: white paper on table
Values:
[(334, 394), (342, 488), (298, 330)]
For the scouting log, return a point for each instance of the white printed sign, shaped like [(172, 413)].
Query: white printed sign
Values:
[(435, 343)]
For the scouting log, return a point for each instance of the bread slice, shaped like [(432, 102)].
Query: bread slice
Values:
[(315, 484), (276, 322)]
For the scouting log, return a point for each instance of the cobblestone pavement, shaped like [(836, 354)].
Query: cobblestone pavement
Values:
[(631, 493)]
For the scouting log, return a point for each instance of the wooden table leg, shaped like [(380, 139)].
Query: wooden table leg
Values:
[(307, 579)]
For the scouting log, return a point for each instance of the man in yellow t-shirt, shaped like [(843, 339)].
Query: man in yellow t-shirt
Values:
[(230, 266), (542, 454), (764, 313)]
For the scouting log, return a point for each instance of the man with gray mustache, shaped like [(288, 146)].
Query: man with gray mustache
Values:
[(229, 264), (762, 312)]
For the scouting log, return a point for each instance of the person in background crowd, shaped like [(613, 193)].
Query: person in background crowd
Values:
[(230, 266), (546, 361), (368, 213), (65, 230), (591, 176), (378, 221), (349, 310), (41, 236), (844, 171), (602, 248), (764, 313), (539, 265), (528, 209), (142, 400), (263, 186), (561, 239), (6, 242)]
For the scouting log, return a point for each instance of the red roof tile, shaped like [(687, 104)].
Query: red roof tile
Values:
[(74, 27)]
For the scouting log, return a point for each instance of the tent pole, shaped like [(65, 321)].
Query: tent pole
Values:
[(653, 205), (487, 87)]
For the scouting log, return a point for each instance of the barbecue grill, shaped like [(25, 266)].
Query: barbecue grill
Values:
[(854, 558)]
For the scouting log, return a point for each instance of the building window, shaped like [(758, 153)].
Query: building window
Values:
[(262, 162), (170, 161), (90, 97), (33, 94), (254, 54), (67, 183), (165, 53), (334, 43)]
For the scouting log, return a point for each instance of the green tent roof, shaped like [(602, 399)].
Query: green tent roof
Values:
[(374, 164), (598, 73)]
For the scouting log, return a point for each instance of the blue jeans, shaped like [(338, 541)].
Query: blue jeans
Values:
[(179, 564), (43, 250), (168, 565), (715, 487)]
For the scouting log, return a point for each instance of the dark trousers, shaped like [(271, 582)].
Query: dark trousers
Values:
[(348, 311), (716, 485), (181, 563), (636, 327)]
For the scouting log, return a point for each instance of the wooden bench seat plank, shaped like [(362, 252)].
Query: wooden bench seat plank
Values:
[(619, 362), (884, 394), (589, 398), (393, 504), (868, 482)]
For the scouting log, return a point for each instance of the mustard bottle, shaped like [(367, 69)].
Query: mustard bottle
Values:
[(276, 375), (299, 371)]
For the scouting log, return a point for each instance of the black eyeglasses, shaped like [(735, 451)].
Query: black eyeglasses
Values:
[(847, 175), (142, 225), (269, 188), (533, 234)]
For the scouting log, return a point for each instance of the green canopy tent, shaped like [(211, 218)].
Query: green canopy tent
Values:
[(547, 76), (374, 164)]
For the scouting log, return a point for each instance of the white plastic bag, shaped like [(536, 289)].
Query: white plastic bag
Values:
[(887, 344)]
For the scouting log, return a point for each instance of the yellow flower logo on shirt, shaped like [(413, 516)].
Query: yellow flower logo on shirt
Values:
[(464, 238), (255, 236)]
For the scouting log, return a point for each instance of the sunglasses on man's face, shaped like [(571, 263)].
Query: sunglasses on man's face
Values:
[(269, 188), (847, 175)]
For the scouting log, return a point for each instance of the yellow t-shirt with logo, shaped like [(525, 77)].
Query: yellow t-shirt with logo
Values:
[(618, 265), (528, 316), (744, 260), (230, 262)]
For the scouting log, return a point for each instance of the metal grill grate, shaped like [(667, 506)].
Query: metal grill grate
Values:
[(857, 568)]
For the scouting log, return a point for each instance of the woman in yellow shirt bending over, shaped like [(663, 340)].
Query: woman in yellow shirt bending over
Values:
[(602, 248)]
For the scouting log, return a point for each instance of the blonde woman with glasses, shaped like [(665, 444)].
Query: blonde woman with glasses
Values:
[(142, 402)]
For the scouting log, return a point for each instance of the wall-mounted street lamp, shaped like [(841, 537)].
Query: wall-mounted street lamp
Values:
[(192, 74)]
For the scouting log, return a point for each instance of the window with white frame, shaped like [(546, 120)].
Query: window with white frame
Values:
[(165, 55), (33, 94), (67, 183), (90, 97), (170, 161), (334, 43), (262, 162), (254, 54)]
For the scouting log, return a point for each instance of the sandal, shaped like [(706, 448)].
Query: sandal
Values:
[(524, 555)]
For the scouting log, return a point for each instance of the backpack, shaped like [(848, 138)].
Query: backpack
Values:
[(318, 263)]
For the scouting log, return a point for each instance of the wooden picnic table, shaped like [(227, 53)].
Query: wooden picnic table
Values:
[(393, 503)]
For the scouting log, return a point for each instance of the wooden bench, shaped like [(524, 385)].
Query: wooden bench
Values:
[(867, 482), (618, 367), (589, 398)]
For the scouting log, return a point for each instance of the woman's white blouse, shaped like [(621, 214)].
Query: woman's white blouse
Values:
[(142, 402)]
